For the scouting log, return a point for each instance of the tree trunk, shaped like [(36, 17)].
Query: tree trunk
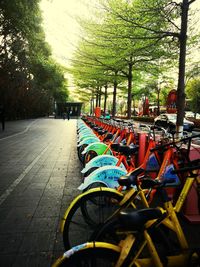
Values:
[(158, 102), (105, 98), (100, 93), (130, 77), (114, 98), (97, 98), (181, 76)]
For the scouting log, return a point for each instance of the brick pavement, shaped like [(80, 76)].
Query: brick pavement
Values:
[(40, 170)]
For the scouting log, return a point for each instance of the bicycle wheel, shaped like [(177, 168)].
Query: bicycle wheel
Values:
[(87, 212), (80, 150), (97, 256), (89, 155), (113, 232), (94, 185), (110, 232)]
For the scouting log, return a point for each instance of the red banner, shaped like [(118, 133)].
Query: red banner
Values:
[(171, 102)]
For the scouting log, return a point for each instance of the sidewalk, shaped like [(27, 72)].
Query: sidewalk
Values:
[(39, 176), (16, 127)]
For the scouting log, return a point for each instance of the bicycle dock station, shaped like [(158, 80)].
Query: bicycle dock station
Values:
[(144, 158)]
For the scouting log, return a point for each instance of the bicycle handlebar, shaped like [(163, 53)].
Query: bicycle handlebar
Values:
[(174, 142), (186, 169)]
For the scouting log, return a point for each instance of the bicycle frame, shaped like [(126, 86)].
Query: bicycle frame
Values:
[(172, 222)]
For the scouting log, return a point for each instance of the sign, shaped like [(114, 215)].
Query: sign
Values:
[(171, 102)]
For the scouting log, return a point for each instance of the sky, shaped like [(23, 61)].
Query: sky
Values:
[(61, 28)]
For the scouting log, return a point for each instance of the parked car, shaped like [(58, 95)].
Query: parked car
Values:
[(168, 120), (190, 114)]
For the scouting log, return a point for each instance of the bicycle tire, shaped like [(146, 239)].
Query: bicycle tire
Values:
[(87, 212), (80, 150), (94, 185), (109, 232), (89, 155), (96, 256)]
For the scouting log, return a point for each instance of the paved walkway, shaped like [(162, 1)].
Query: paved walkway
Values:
[(39, 174)]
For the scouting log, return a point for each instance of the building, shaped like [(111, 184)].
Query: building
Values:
[(73, 107)]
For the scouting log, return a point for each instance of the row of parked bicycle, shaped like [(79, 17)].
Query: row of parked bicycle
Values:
[(134, 184)]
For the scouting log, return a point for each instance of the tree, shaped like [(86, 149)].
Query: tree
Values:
[(139, 46), (165, 23), (193, 93), (109, 48), (24, 55), (126, 29), (96, 67)]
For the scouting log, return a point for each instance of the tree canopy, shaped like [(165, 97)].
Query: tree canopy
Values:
[(193, 94), (30, 80), (137, 36)]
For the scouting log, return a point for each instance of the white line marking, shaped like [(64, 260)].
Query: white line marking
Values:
[(12, 135), (21, 176)]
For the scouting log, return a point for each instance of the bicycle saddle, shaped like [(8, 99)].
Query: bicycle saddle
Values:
[(136, 219), (150, 183), (98, 129), (130, 178), (115, 146), (128, 150), (108, 136), (101, 132), (124, 149)]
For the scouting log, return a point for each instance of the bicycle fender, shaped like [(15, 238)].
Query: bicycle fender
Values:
[(107, 175), (85, 129), (82, 127), (102, 160), (98, 147), (85, 132), (88, 140), (83, 137), (67, 254)]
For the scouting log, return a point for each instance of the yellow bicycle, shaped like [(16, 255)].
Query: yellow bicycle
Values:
[(143, 245)]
